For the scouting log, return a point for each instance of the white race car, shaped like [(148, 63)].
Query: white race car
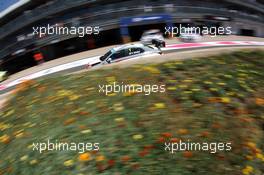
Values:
[(153, 37), (125, 52), (189, 36)]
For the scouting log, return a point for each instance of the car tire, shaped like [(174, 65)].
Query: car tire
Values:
[(156, 43)]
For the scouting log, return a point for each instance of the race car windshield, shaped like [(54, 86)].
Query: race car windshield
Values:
[(152, 33), (102, 58)]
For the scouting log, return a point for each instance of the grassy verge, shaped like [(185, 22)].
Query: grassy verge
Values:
[(216, 99)]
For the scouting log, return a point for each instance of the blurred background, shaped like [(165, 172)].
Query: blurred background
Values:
[(120, 21), (219, 99)]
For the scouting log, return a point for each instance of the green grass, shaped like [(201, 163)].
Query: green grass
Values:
[(216, 99)]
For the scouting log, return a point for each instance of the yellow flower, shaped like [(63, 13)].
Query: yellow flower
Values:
[(250, 168), (120, 119), (228, 76), (225, 100), (118, 107), (171, 88), (240, 95), (151, 69), (259, 101), (110, 79), (159, 105), (248, 157), (84, 157), (213, 89), (184, 98), (68, 163), (231, 93), (196, 89), (169, 65), (118, 104), (32, 125), (182, 131), (188, 80), (187, 92), (172, 81), (30, 146), (259, 156), (251, 145), (137, 137), (208, 82), (9, 113), (27, 124), (78, 110), (5, 139), (100, 158), (197, 105), (247, 170), (19, 135), (90, 89), (221, 84), (250, 90), (183, 86), (74, 97), (86, 131), (111, 94), (63, 93), (242, 82), (4, 126), (23, 158), (243, 75), (126, 94), (33, 162)]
